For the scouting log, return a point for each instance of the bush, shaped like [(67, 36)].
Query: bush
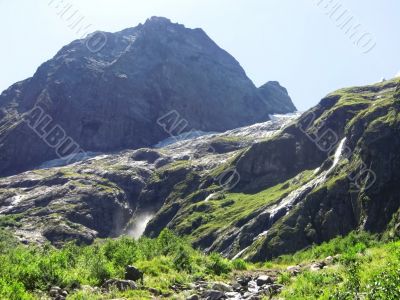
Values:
[(183, 259), (218, 265), (386, 285), (239, 264), (13, 291), (168, 258), (353, 242)]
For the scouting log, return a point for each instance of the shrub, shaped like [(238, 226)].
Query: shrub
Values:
[(385, 285), (183, 259), (239, 264), (13, 291), (218, 265)]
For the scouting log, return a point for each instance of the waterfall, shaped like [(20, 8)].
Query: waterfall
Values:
[(139, 225), (287, 203), (284, 206), (12, 203)]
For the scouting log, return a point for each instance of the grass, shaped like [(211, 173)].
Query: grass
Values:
[(204, 217), (10, 220), (352, 242), (29, 271), (366, 269)]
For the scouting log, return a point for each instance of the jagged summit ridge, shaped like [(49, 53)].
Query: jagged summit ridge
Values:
[(111, 99)]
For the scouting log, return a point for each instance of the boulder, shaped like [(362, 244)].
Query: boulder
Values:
[(329, 260), (272, 289), (264, 279), (244, 280), (133, 273), (317, 266), (54, 291), (58, 293), (213, 295), (293, 270), (252, 287), (121, 285), (236, 286), (222, 287)]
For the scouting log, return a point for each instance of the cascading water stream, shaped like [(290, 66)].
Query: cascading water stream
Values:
[(283, 207)]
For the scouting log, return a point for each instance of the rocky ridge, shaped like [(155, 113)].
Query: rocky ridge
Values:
[(111, 99), (338, 161), (110, 194)]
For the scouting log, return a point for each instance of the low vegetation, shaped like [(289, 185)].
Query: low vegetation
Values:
[(363, 268), (28, 272)]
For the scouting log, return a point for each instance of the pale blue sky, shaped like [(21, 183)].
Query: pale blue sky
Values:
[(292, 41)]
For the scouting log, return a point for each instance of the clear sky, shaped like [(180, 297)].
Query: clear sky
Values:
[(295, 42)]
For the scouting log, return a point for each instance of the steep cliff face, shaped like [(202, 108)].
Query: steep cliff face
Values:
[(295, 181), (109, 195), (111, 99), (254, 192), (277, 97), (332, 171)]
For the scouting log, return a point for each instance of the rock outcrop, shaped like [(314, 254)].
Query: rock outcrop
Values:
[(108, 195), (111, 99), (255, 192)]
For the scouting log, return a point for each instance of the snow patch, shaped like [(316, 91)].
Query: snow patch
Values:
[(68, 160), (181, 137)]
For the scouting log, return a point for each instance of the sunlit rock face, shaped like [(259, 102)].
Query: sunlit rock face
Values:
[(111, 99), (106, 195)]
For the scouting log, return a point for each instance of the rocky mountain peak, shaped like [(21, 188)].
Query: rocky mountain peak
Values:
[(110, 99), (158, 21)]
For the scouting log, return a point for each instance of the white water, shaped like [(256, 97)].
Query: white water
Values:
[(12, 203), (240, 253), (288, 201), (139, 225), (209, 197), (337, 156), (283, 207)]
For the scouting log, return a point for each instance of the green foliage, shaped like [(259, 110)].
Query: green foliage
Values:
[(312, 285), (10, 220), (239, 264), (165, 261), (183, 259), (349, 245), (385, 285), (218, 265), (13, 290), (365, 270), (284, 278), (228, 209)]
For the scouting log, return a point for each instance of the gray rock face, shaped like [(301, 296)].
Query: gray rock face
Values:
[(290, 195), (133, 273), (277, 97), (121, 285), (111, 99), (107, 195)]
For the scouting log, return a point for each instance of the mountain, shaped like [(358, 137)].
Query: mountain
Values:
[(256, 192), (332, 171), (114, 194), (112, 98)]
